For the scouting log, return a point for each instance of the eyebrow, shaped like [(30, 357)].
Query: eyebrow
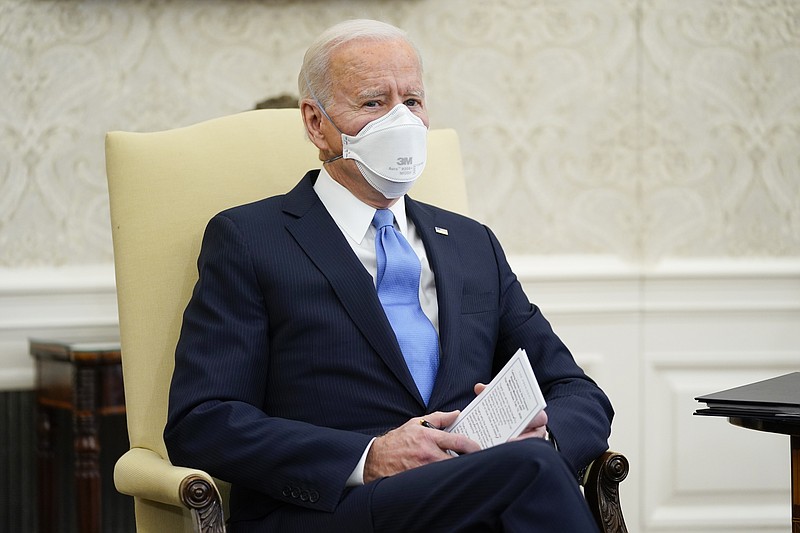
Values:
[(377, 93), (371, 93)]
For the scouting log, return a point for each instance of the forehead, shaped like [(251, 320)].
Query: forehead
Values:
[(363, 64)]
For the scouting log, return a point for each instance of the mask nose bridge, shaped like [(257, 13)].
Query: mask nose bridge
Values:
[(377, 120)]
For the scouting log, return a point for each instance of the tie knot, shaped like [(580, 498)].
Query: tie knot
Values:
[(382, 218)]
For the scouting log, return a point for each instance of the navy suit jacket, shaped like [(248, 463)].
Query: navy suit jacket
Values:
[(286, 365)]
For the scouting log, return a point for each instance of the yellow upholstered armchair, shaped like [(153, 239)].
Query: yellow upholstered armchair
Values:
[(163, 188)]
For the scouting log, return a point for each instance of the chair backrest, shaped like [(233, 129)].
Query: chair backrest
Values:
[(163, 189)]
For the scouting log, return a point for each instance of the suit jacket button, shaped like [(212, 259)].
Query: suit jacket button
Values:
[(295, 492), (287, 491), (313, 496), (304, 496)]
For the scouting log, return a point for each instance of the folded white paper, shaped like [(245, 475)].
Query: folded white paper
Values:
[(505, 407)]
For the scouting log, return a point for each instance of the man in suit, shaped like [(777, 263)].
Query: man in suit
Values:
[(295, 379)]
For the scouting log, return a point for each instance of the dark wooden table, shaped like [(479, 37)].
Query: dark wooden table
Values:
[(84, 378), (771, 405), (785, 427)]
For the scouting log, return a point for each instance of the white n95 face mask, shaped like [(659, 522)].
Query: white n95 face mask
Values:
[(390, 151)]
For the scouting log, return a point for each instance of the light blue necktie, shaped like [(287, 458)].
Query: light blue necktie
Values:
[(398, 290)]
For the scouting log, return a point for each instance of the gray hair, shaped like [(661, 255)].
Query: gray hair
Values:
[(314, 80)]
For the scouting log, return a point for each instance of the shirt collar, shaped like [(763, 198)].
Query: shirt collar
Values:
[(352, 215)]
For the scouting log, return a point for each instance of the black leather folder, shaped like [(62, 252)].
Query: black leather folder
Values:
[(776, 398)]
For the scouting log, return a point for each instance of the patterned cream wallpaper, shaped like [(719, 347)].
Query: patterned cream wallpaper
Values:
[(644, 129)]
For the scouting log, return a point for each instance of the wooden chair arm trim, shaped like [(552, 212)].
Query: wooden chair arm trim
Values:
[(143, 473), (601, 490), (204, 502)]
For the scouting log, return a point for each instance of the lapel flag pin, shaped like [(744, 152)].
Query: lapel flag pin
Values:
[(441, 231)]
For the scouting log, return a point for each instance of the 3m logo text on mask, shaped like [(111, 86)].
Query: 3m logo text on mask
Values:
[(403, 161)]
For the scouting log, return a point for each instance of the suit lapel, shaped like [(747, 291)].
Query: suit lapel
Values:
[(322, 241), (440, 246)]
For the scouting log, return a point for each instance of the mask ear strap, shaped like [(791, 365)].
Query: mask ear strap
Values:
[(322, 108), (319, 104)]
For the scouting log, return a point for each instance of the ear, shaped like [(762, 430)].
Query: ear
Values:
[(313, 119)]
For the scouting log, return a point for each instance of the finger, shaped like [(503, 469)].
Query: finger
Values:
[(538, 424), (448, 441), (539, 420), (442, 419), (479, 388), (457, 442), (538, 433)]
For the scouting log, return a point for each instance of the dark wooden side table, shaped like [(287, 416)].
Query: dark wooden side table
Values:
[(83, 377), (784, 427), (771, 405)]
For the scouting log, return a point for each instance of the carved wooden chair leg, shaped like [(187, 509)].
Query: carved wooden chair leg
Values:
[(601, 489), (204, 503)]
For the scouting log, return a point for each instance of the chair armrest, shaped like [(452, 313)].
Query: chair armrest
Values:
[(601, 489), (144, 474)]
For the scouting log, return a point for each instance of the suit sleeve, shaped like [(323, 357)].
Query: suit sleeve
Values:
[(579, 413), (216, 420)]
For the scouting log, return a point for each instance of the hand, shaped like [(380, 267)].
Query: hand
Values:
[(537, 428), (412, 445)]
